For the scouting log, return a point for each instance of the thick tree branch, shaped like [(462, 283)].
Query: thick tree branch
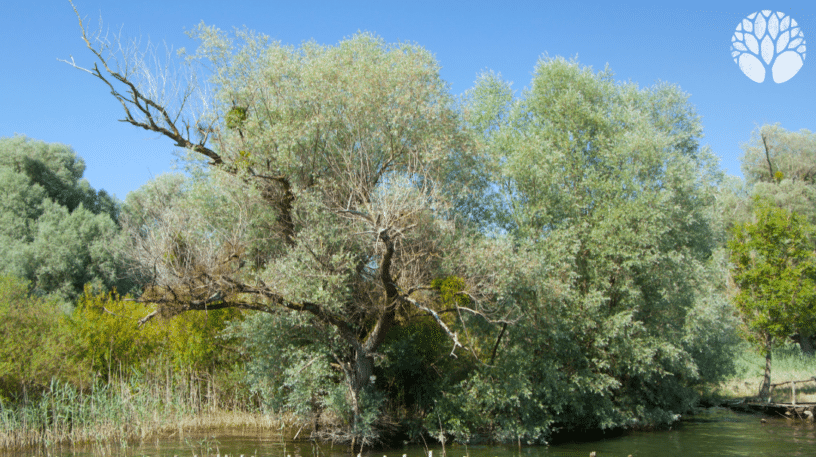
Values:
[(386, 318), (315, 309), (496, 346), (273, 304)]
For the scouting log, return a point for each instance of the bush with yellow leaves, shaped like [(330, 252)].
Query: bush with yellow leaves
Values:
[(108, 336)]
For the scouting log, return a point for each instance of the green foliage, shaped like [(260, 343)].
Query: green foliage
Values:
[(712, 324), (289, 367), (57, 170), (105, 332), (450, 291), (778, 165), (774, 154), (107, 336), (141, 205), (611, 196), (235, 117), (774, 266), (73, 249), (416, 366), (194, 341), (34, 347), (352, 98)]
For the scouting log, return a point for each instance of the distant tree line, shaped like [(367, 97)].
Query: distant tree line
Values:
[(55, 230)]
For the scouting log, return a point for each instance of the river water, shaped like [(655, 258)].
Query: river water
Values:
[(711, 432)]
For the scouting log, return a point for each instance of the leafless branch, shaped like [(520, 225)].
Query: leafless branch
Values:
[(452, 335), (146, 95), (768, 157)]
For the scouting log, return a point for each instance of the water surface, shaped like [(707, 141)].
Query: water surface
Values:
[(711, 432)]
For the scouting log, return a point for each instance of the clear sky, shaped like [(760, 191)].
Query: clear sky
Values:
[(686, 43)]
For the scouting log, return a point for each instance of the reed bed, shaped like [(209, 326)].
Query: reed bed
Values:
[(129, 408)]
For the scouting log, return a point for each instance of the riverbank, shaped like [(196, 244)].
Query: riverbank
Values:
[(133, 410), (713, 431), (788, 363), (125, 411)]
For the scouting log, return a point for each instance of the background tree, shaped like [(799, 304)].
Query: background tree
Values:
[(105, 337), (774, 154), (774, 266), (779, 167), (326, 207), (54, 228)]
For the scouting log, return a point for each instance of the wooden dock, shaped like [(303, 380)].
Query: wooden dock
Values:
[(792, 410), (803, 411)]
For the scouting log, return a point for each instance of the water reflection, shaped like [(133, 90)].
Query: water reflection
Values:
[(712, 432)]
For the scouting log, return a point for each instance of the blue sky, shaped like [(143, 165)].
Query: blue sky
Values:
[(686, 43)]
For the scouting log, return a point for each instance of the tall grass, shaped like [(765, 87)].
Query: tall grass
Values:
[(131, 407), (787, 363)]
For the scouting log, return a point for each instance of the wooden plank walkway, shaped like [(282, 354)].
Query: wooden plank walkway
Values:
[(804, 411), (792, 410)]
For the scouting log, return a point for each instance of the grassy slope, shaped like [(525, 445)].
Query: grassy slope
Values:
[(788, 363)]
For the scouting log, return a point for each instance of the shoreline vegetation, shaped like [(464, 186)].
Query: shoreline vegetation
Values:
[(129, 409), (137, 407)]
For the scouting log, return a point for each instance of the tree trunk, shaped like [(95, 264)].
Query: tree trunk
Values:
[(360, 376), (806, 343), (360, 372), (764, 390)]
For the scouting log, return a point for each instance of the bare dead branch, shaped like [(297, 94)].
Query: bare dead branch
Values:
[(768, 157), (147, 318), (452, 335), (496, 346), (135, 100)]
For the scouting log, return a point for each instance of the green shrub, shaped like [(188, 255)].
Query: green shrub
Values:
[(194, 340), (107, 334), (105, 328)]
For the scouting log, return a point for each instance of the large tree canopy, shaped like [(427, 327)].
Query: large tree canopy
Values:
[(781, 166), (617, 278), (774, 154), (54, 228), (779, 170), (329, 205)]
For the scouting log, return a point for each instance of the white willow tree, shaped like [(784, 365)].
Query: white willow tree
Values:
[(333, 198), (623, 310)]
